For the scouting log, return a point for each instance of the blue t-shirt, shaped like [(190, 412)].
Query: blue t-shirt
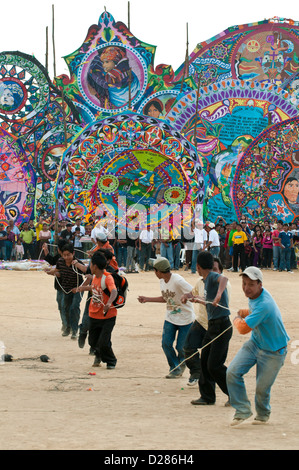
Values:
[(268, 331), (286, 238), (211, 287)]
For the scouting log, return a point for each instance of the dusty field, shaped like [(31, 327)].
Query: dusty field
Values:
[(58, 405)]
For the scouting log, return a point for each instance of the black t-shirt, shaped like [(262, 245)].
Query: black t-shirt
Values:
[(67, 235)]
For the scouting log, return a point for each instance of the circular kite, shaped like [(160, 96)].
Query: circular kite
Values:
[(129, 161), (266, 183), (230, 115)]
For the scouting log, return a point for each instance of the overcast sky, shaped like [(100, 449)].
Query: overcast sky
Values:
[(161, 23)]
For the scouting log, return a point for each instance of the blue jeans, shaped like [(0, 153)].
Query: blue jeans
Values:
[(71, 311), (215, 250), (145, 254), (168, 338), (276, 257), (285, 259), (197, 248), (59, 300), (176, 254), (167, 252), (267, 364), (121, 255)]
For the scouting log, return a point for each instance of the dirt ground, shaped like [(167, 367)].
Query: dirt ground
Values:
[(58, 405)]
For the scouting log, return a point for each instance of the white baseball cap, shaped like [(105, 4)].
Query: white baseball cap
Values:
[(253, 273)]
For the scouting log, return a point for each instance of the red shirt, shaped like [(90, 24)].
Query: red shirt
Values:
[(107, 246), (100, 298), (275, 233)]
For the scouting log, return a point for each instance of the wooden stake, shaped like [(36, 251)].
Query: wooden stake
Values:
[(47, 50), (196, 109), (129, 23), (65, 145), (53, 41), (130, 79), (186, 64), (64, 118)]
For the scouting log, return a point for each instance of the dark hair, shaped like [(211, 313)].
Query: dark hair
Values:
[(291, 178), (68, 247), (205, 260), (156, 104), (219, 263), (99, 260), (107, 253), (60, 244)]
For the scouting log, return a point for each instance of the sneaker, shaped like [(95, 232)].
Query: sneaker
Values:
[(237, 421), (192, 382), (110, 366), (173, 375), (289, 271), (74, 336), (96, 362), (201, 401), (260, 420), (66, 331), (81, 340)]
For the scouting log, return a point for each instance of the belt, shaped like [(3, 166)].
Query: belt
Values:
[(281, 349), (219, 320)]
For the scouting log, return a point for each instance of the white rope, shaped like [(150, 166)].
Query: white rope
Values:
[(51, 244), (75, 270), (214, 339)]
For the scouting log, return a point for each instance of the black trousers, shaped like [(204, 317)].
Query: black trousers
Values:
[(239, 251), (99, 339), (193, 342), (213, 358)]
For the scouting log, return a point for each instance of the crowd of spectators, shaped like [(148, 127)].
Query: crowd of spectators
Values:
[(237, 244)]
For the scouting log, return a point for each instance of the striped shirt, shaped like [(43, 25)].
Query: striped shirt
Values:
[(69, 278)]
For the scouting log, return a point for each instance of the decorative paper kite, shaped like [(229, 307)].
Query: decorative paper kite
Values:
[(132, 156), (17, 181), (265, 51), (266, 183), (231, 113), (113, 72), (31, 109)]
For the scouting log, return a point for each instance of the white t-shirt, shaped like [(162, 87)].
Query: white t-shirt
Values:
[(146, 236), (200, 236), (200, 309), (172, 292), (214, 238)]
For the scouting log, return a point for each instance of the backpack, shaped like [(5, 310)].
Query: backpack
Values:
[(121, 284)]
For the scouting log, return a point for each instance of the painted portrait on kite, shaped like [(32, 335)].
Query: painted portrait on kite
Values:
[(111, 77), (291, 193), (12, 95)]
